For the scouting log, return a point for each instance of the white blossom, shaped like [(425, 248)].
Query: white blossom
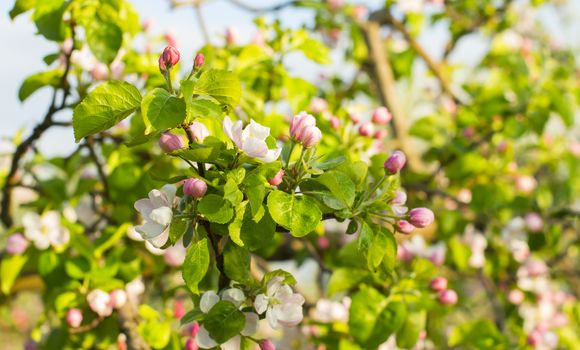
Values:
[(251, 139), (45, 230), (282, 306), (100, 302), (157, 210)]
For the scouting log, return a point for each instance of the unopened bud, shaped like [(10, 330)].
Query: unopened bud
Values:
[(168, 58), (310, 136), (195, 188), (438, 284), (421, 217), (266, 344), (199, 131), (16, 244), (382, 116), (170, 142), (277, 179), (74, 318), (395, 162), (199, 60), (448, 297), (366, 129), (405, 227)]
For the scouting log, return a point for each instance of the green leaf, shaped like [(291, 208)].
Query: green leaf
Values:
[(177, 230), (256, 235), (77, 267), (10, 267), (237, 263), (343, 279), (408, 334), (48, 19), (104, 107), (316, 51), (207, 152), (224, 321), (221, 85), (104, 38), (390, 320), (216, 209), (39, 80), (340, 185), (198, 108), (298, 214), (288, 278), (196, 264), (477, 334), (161, 110), (382, 250), (21, 6), (190, 316), (365, 309)]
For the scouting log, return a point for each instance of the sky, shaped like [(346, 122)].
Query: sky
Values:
[(23, 52)]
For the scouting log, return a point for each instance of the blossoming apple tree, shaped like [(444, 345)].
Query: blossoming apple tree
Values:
[(221, 201)]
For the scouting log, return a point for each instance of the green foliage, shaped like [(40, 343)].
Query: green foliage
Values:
[(299, 214), (224, 321), (39, 80), (104, 107), (196, 264)]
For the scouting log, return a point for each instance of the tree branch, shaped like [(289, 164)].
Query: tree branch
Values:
[(99, 165), (37, 132), (278, 7)]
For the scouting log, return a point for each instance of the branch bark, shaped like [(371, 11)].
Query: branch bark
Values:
[(385, 81)]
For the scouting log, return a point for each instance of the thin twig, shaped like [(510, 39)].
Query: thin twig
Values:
[(278, 7), (99, 165)]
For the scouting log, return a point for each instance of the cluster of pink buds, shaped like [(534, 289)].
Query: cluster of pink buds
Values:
[(446, 296), (303, 130), (380, 117)]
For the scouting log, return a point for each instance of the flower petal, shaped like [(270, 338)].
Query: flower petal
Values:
[(251, 326), (234, 295), (272, 319), (208, 300), (261, 303), (162, 216), (203, 339)]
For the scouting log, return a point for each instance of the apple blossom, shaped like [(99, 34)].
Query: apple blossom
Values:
[(118, 298), (421, 217), (134, 290), (381, 134), (190, 344), (318, 105), (277, 179), (438, 284), (74, 317), (381, 116), (310, 136), (282, 306), (526, 184), (299, 122), (335, 122), (534, 222), (195, 188), (266, 344), (478, 243), (175, 254), (157, 211), (16, 244), (45, 230), (251, 139), (516, 296), (178, 309), (448, 297), (405, 227), (170, 142), (199, 131), (395, 162), (366, 129), (100, 302), (354, 117), (328, 311), (199, 60), (169, 58)]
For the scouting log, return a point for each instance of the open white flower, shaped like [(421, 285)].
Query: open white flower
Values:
[(282, 306), (235, 296), (157, 210), (251, 139), (45, 230)]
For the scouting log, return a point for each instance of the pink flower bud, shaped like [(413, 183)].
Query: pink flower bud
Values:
[(405, 226), (170, 142), (400, 198), (190, 344), (395, 163), (266, 344), (199, 131), (199, 60), (448, 297), (516, 296), (16, 244), (354, 118), (318, 105), (335, 122), (178, 309), (298, 123), (231, 36), (382, 116), (534, 222), (421, 217), (310, 136), (118, 298), (381, 134), (99, 72), (195, 188), (366, 129), (168, 58), (438, 284), (74, 318), (535, 338), (194, 329), (526, 184), (277, 179), (323, 243)]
